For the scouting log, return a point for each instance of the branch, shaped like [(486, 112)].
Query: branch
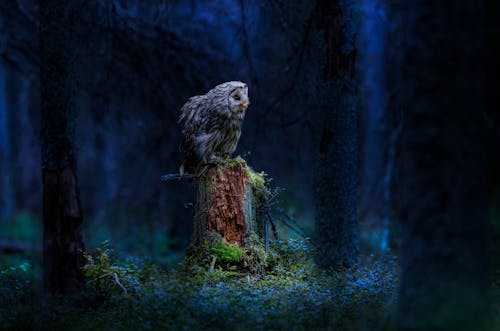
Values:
[(293, 81), (100, 277), (114, 276), (172, 177), (16, 247), (212, 264)]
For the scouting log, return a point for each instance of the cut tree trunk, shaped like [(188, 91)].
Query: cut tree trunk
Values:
[(231, 202)]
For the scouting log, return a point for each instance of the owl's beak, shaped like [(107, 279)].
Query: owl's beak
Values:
[(244, 105)]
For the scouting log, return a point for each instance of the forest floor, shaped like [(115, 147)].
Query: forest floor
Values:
[(133, 294)]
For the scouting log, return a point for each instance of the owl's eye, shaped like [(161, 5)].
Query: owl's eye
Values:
[(237, 97)]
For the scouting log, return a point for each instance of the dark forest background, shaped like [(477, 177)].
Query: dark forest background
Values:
[(424, 147), (137, 62)]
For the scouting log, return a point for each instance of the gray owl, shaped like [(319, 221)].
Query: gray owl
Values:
[(212, 125)]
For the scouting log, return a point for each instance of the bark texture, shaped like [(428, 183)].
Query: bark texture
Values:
[(442, 175), (337, 123), (62, 218), (230, 202)]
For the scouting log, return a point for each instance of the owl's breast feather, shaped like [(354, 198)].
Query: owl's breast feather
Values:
[(235, 123)]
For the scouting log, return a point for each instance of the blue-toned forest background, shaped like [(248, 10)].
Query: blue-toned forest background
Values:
[(418, 161), (137, 62)]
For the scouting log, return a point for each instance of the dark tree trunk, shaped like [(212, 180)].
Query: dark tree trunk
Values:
[(62, 218), (442, 184), (337, 165), (492, 75)]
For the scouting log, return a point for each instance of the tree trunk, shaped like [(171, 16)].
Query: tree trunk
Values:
[(442, 168), (62, 218), (7, 199), (336, 168), (231, 202)]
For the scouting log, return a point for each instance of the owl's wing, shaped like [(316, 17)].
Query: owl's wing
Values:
[(190, 108), (191, 114)]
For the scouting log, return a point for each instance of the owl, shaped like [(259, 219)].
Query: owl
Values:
[(212, 125)]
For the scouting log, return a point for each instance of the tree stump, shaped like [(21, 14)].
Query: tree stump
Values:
[(230, 207)]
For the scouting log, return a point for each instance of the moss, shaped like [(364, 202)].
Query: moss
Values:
[(257, 179), (250, 259), (226, 252), (228, 257), (234, 162)]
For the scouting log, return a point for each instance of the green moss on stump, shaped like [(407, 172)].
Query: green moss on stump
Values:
[(256, 179), (226, 252), (250, 259)]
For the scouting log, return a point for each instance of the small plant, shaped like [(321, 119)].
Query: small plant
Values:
[(256, 259), (294, 258), (106, 275)]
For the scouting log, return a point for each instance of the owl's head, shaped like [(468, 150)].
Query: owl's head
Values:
[(236, 94)]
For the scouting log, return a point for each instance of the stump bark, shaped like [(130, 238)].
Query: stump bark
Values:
[(230, 205)]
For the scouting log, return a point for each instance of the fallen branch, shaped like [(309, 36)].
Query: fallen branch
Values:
[(17, 247)]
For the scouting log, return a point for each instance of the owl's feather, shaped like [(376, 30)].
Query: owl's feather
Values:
[(212, 125)]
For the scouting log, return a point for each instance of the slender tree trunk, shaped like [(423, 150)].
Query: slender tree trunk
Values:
[(442, 184), (374, 101), (6, 200), (62, 218), (337, 165)]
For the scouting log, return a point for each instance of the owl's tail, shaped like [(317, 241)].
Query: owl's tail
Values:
[(189, 166)]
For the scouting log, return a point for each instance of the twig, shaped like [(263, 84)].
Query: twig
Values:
[(301, 231), (172, 177), (293, 80), (295, 227), (273, 225), (212, 264), (100, 277), (115, 276), (266, 237)]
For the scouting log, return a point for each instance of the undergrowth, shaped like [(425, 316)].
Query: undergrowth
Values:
[(125, 293)]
